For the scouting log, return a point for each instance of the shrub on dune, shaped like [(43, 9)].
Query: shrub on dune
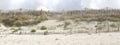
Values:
[(16, 29), (100, 26), (43, 28), (42, 18), (66, 25), (113, 25), (33, 30)]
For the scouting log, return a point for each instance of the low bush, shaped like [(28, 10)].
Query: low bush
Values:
[(66, 24), (113, 25), (100, 26), (42, 18), (43, 28), (33, 30), (15, 29)]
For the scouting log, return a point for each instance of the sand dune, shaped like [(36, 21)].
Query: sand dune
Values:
[(112, 38)]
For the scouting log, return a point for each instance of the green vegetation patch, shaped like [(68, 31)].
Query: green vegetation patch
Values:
[(15, 29), (100, 26), (42, 18), (43, 27), (33, 30), (66, 25), (114, 25)]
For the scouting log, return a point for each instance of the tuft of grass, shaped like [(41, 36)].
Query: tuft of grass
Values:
[(16, 29), (66, 25), (100, 26), (42, 18), (43, 28), (113, 25), (60, 25), (33, 30)]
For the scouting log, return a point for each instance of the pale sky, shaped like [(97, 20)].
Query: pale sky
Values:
[(56, 5)]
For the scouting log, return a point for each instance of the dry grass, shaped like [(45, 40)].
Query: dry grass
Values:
[(21, 20), (35, 17)]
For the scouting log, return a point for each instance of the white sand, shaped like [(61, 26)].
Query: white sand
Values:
[(62, 39)]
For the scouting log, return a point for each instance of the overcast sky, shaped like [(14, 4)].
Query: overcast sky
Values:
[(58, 4)]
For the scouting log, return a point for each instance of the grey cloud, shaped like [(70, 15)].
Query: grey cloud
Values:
[(31, 4), (68, 5), (63, 4), (4, 4)]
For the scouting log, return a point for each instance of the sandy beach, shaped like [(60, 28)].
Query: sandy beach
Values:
[(62, 39), (59, 22)]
